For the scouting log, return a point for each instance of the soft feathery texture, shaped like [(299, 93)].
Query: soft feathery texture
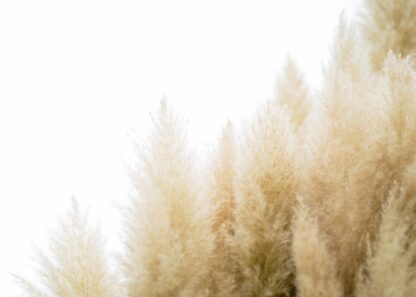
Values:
[(291, 91), (76, 264), (221, 194), (389, 25), (399, 94), (314, 196), (360, 141), (223, 172), (390, 269), (316, 270), (265, 187), (339, 183), (168, 237)]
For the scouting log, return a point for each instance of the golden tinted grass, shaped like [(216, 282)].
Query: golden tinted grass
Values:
[(314, 196)]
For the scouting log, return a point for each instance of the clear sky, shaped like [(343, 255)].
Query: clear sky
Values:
[(76, 77)]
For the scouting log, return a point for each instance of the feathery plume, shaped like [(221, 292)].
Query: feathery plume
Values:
[(391, 269), (340, 185), (389, 25), (223, 178), (221, 193), (265, 188), (168, 236), (291, 91), (399, 90), (76, 265), (316, 269)]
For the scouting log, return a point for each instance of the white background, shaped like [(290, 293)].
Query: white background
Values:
[(77, 76)]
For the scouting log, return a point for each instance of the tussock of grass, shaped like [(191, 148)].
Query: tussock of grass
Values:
[(314, 196)]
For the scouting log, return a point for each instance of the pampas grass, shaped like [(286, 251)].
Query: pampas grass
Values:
[(265, 193), (313, 196), (389, 25), (390, 267), (168, 232), (75, 264), (222, 196)]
